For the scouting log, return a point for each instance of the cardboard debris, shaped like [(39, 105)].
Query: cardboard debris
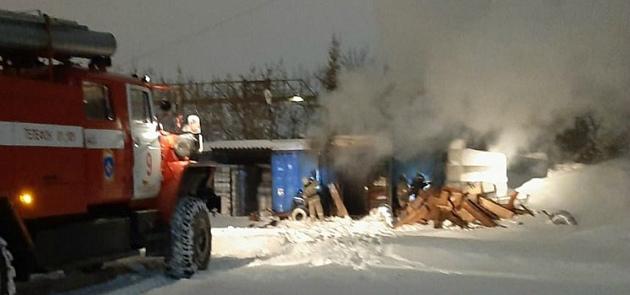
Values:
[(459, 207)]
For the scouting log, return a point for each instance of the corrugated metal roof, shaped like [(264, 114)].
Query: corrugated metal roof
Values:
[(291, 145), (238, 145), (258, 144)]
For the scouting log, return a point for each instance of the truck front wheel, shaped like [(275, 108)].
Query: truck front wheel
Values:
[(191, 240), (7, 272)]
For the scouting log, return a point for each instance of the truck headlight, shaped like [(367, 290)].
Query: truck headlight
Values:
[(26, 199)]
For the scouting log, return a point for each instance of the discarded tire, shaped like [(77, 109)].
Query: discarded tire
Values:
[(191, 240), (299, 214), (563, 217), (7, 272)]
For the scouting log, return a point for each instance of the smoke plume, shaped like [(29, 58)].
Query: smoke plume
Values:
[(505, 72)]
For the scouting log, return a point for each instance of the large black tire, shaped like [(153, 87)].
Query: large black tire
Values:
[(7, 272), (191, 239)]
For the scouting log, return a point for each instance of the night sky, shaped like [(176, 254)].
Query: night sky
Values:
[(207, 38)]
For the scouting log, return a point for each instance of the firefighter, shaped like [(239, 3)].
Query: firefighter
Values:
[(419, 184), (402, 191), (315, 209)]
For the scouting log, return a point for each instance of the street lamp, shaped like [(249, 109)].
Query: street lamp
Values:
[(296, 98), (292, 110)]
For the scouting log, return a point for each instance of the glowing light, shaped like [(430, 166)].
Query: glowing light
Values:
[(296, 98), (26, 199)]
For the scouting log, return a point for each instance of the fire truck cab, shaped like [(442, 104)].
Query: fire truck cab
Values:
[(86, 174)]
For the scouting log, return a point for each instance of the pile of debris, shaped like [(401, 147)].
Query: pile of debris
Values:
[(459, 207)]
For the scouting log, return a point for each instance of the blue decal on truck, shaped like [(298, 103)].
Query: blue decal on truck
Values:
[(108, 165)]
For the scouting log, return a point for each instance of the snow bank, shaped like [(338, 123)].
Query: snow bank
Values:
[(356, 244), (340, 241), (246, 242), (596, 195)]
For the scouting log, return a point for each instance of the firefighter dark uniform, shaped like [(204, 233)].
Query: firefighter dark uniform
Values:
[(418, 184)]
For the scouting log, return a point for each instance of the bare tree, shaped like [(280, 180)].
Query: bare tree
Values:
[(254, 106), (355, 58)]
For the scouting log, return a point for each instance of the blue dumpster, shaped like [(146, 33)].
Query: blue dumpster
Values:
[(287, 169)]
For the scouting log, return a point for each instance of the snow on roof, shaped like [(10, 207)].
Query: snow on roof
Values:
[(259, 144), (296, 144)]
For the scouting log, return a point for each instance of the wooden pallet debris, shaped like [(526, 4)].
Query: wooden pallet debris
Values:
[(495, 208), (337, 200), (460, 207), (481, 216)]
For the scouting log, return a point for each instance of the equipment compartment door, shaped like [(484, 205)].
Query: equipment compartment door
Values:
[(147, 157)]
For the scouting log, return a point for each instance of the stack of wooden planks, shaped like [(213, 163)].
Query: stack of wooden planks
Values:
[(459, 207)]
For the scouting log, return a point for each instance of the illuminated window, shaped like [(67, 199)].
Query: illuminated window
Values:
[(97, 102)]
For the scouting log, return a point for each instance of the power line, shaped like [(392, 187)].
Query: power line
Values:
[(203, 30)]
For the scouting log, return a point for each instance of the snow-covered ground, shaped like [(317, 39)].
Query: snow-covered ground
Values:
[(529, 255)]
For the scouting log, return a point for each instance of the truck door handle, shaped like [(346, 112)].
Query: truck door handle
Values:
[(141, 145)]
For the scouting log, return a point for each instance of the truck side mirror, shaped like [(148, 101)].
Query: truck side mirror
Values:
[(194, 124)]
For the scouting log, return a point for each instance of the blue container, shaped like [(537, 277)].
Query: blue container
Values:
[(287, 169)]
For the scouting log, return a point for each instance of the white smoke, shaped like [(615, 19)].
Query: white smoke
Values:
[(506, 71)]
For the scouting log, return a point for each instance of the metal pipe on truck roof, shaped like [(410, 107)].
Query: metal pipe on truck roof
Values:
[(27, 33)]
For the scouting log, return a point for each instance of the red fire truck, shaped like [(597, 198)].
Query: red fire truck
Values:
[(86, 174)]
